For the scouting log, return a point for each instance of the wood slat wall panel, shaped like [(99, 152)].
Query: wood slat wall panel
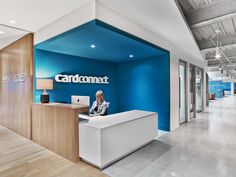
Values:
[(0, 81), (17, 97), (56, 128)]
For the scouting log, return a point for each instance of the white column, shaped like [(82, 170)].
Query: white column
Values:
[(232, 88)]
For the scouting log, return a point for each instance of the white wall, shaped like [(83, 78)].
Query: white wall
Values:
[(108, 15), (174, 91)]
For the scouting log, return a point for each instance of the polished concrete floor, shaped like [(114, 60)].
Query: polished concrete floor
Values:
[(205, 147)]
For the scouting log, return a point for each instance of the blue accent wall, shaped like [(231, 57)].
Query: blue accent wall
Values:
[(145, 85), (138, 84), (112, 44), (48, 64)]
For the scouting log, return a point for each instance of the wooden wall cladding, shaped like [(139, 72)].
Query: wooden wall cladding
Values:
[(17, 96), (0, 82), (55, 126)]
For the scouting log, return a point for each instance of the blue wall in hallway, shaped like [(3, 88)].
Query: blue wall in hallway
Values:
[(138, 84), (217, 87), (226, 86)]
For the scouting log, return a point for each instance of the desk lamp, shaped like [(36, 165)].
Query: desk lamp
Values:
[(44, 84)]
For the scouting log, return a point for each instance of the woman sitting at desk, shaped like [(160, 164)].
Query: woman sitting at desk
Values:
[(100, 106)]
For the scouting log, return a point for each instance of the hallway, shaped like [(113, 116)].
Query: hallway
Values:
[(205, 147)]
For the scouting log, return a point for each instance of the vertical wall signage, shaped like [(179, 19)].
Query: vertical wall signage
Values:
[(81, 79), (20, 77)]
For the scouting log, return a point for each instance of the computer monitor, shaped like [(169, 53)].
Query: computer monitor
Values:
[(82, 100)]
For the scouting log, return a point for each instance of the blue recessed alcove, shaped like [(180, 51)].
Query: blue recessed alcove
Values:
[(138, 71), (112, 45)]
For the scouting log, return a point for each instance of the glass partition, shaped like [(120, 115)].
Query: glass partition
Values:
[(192, 91), (182, 92), (199, 89)]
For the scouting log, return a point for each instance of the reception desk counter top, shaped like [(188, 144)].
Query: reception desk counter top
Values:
[(119, 118), (63, 105)]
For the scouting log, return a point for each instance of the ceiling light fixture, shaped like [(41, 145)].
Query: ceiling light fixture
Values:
[(217, 55), (93, 46), (131, 56), (12, 21), (1, 32)]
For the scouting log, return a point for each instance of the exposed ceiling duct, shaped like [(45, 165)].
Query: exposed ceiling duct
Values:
[(213, 24)]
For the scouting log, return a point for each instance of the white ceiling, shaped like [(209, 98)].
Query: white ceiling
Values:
[(9, 32), (161, 17), (9, 35), (33, 15)]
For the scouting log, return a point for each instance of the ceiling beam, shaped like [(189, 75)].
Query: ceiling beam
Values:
[(185, 5), (213, 49), (212, 13), (228, 53), (225, 41), (219, 64), (231, 58), (216, 62), (223, 64)]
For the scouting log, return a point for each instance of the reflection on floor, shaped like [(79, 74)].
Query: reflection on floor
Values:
[(205, 147), (19, 157)]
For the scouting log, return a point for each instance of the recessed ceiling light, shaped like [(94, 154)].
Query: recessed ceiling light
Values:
[(93, 46), (131, 56), (12, 21), (217, 56), (1, 32)]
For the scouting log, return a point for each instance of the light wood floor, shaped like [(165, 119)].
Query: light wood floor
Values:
[(20, 157)]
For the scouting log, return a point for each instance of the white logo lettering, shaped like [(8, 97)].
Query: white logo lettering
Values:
[(81, 79)]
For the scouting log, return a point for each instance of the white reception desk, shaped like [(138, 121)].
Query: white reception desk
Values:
[(106, 139)]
